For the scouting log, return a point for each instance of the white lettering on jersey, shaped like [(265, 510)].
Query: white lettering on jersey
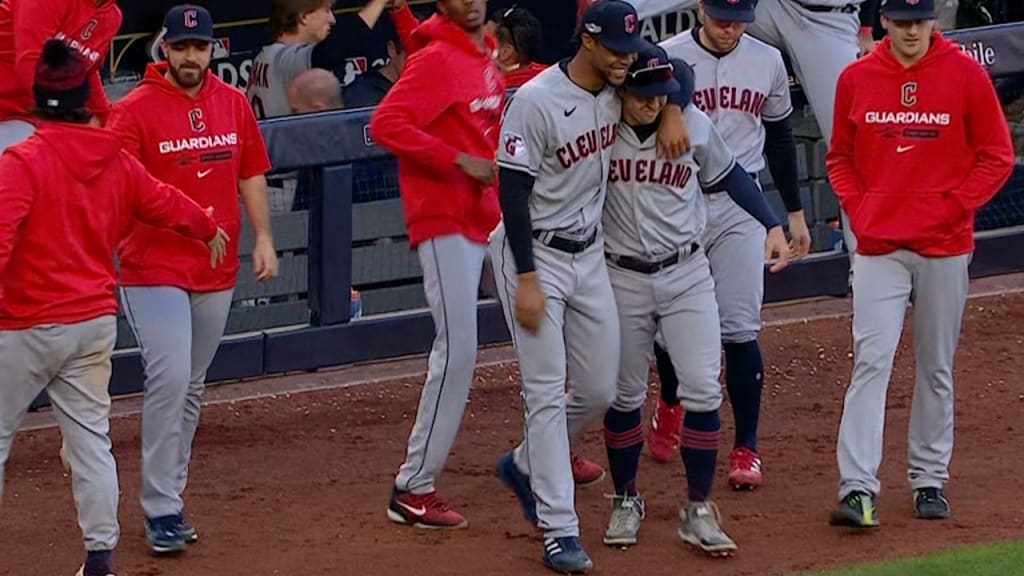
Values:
[(82, 49), (488, 103), (586, 144), (200, 143), (927, 118)]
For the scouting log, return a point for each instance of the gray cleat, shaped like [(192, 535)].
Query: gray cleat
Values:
[(698, 526), (624, 524)]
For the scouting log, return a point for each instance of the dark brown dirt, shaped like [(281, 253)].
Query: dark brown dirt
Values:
[(298, 484)]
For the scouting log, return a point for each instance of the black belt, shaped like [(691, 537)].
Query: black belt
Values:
[(845, 8), (720, 187), (648, 267), (564, 244)]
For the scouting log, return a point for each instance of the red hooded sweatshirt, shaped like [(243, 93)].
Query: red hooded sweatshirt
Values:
[(202, 145), (447, 101), (68, 195), (25, 25), (916, 151)]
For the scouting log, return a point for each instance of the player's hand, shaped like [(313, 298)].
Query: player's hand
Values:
[(529, 302), (673, 134), (264, 259), (480, 169), (776, 249), (218, 247), (799, 235)]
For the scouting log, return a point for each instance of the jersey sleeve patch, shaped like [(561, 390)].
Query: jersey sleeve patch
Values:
[(515, 148)]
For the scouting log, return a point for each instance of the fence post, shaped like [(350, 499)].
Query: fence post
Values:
[(330, 246)]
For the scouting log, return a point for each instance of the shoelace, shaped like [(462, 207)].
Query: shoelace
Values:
[(632, 502)]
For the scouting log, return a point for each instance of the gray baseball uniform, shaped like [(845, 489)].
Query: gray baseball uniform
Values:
[(273, 69), (654, 217), (737, 91), (561, 135)]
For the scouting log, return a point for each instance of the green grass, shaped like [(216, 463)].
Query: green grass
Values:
[(1005, 559)]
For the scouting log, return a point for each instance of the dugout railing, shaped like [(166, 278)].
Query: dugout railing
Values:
[(344, 228)]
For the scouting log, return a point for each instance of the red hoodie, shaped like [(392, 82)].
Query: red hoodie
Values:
[(916, 151), (202, 145), (25, 25), (68, 195), (427, 120), (523, 74)]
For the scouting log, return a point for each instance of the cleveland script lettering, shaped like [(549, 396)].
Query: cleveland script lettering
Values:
[(649, 171), (730, 98), (587, 144), (199, 143)]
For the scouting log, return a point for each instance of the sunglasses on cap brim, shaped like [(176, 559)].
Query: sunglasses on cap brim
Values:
[(650, 75)]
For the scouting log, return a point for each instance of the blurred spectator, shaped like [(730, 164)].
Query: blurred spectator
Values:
[(314, 90), (946, 14), (518, 33), (369, 88)]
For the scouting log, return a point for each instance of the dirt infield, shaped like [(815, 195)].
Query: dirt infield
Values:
[(298, 484)]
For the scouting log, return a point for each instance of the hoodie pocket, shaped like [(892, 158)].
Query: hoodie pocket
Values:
[(907, 217)]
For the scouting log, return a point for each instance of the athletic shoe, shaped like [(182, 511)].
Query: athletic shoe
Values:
[(566, 556), (744, 469), (187, 531), (81, 572), (519, 483), (699, 526), (585, 472), (423, 511), (663, 437), (856, 510), (624, 524), (162, 535), (930, 504)]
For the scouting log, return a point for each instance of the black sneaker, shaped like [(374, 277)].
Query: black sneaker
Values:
[(930, 504), (856, 510)]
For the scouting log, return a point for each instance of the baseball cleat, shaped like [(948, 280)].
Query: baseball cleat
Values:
[(930, 504), (81, 572), (162, 535), (519, 483), (624, 523), (744, 469), (423, 511), (585, 472), (855, 510), (187, 531), (566, 556), (663, 436), (699, 526)]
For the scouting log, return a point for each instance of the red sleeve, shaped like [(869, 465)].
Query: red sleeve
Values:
[(98, 103), (162, 205), (416, 100), (16, 196), (840, 156), (405, 22), (122, 122), (255, 161), (988, 134), (33, 27)]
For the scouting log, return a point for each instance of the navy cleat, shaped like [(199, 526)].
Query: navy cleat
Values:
[(510, 476), (566, 556), (162, 535)]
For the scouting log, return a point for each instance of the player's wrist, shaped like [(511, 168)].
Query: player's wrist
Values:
[(528, 277)]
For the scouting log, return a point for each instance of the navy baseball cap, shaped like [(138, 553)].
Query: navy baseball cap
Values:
[(651, 73), (614, 24), (908, 9), (188, 22), (730, 10)]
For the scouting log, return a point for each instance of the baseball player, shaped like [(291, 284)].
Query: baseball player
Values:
[(444, 136), (519, 34), (86, 26), (57, 303), (654, 220), (930, 115), (554, 155), (742, 85), (195, 132)]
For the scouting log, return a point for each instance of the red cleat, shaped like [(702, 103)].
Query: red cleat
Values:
[(423, 511), (744, 469), (585, 472), (663, 437)]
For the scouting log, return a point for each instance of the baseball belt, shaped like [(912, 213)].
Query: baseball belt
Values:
[(565, 243), (642, 266)]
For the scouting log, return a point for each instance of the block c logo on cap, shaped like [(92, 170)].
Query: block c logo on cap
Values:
[(191, 18), (629, 23)]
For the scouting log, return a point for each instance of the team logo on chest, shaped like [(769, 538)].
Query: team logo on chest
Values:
[(730, 98), (587, 144), (87, 31), (650, 171), (195, 119), (908, 93)]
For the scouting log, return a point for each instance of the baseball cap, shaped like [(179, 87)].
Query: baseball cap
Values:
[(730, 10), (614, 24), (188, 22), (61, 78), (908, 9), (651, 73)]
